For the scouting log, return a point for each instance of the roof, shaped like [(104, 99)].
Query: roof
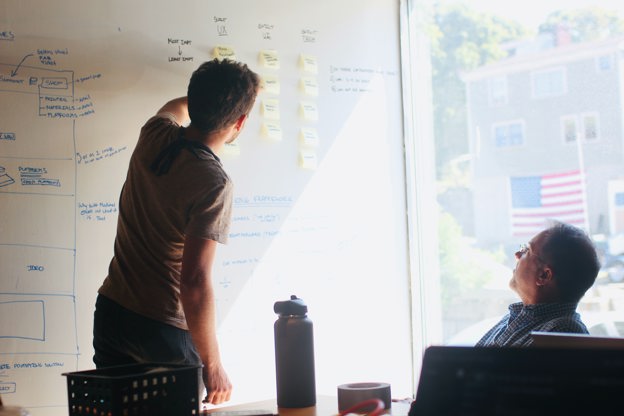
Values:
[(546, 58)]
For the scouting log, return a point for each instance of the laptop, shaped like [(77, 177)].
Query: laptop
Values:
[(566, 340), (483, 381)]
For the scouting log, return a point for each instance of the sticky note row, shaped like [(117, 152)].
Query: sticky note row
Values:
[(307, 85), (270, 109), (308, 137), (268, 58)]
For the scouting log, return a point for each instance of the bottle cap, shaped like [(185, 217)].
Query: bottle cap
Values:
[(294, 306)]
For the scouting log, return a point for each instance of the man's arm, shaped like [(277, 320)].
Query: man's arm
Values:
[(199, 308), (179, 108)]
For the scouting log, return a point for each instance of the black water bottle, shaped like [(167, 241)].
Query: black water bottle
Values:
[(294, 354)]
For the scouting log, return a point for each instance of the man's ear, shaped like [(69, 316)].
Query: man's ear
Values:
[(240, 122), (545, 276)]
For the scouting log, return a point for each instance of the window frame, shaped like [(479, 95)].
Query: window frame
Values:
[(492, 99), (583, 116), (577, 131), (598, 61), (564, 81), (509, 123)]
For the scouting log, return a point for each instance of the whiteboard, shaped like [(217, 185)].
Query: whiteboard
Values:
[(319, 174)]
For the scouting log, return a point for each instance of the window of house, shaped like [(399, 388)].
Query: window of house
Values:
[(569, 129), (604, 63), (498, 91), (509, 134), (549, 83), (590, 126), (589, 129)]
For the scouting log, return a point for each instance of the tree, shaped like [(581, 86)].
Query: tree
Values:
[(583, 25), (463, 267), (462, 40)]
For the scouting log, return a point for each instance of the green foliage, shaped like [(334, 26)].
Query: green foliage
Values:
[(462, 40), (463, 267), (583, 25)]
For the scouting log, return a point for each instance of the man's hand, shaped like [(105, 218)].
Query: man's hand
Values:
[(218, 386)]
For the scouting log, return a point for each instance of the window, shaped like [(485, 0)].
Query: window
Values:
[(590, 126), (549, 83), (498, 91), (509, 134), (604, 63), (513, 107), (569, 129)]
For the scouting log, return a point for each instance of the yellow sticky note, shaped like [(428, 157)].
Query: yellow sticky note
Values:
[(309, 86), (308, 63), (271, 84), (308, 111), (270, 109), (307, 159), (231, 149), (269, 59), (272, 130), (308, 137), (223, 52)]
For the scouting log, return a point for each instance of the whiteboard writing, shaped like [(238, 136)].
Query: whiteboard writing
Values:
[(7, 35), (220, 25), (97, 155), (97, 211), (180, 47), (309, 35)]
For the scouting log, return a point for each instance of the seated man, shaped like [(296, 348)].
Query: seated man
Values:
[(553, 272)]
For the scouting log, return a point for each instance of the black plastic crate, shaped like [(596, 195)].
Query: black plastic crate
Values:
[(131, 390)]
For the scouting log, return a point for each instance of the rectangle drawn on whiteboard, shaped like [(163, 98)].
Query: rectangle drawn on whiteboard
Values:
[(23, 320)]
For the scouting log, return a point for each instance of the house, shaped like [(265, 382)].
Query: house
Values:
[(546, 134)]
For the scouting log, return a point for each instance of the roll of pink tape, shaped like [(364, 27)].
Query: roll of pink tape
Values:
[(353, 393)]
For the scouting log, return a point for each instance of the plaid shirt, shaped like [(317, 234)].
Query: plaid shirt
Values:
[(514, 330)]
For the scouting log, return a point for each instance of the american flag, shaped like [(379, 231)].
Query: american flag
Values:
[(537, 199)]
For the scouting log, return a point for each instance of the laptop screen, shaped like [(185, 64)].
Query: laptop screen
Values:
[(520, 381)]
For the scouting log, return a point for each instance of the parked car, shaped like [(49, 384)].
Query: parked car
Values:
[(611, 252)]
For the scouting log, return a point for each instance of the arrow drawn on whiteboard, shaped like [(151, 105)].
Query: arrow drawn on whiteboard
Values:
[(14, 72), (179, 50)]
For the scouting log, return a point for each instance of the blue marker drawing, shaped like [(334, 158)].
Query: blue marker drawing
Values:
[(5, 179), (14, 72), (31, 311)]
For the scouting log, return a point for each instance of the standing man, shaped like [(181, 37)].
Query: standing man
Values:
[(157, 302), (553, 272)]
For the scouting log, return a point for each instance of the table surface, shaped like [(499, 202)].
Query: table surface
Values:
[(325, 406)]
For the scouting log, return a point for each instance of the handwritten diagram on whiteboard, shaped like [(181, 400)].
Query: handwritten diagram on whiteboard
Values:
[(38, 204)]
